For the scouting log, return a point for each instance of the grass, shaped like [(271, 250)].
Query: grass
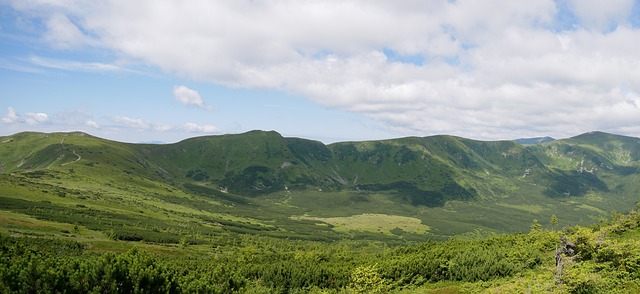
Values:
[(137, 188), (17, 224), (157, 205), (119, 196), (591, 208), (377, 223), (531, 208)]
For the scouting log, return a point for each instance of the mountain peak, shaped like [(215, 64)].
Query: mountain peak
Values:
[(534, 141), (262, 169), (596, 137)]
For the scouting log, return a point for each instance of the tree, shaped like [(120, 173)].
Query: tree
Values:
[(536, 226), (366, 279), (554, 221)]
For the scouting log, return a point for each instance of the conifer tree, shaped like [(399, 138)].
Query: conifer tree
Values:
[(535, 225)]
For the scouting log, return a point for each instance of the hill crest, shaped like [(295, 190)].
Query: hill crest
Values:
[(450, 183)]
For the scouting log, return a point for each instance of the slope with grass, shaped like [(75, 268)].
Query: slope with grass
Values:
[(261, 183), (602, 258)]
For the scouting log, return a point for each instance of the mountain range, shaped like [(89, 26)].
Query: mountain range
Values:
[(533, 141), (260, 182)]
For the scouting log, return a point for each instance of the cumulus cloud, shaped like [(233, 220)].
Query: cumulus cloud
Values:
[(188, 96), (93, 124), (140, 124), (11, 116), (30, 118), (484, 69), (35, 118), (195, 128), (135, 123), (145, 125), (602, 15)]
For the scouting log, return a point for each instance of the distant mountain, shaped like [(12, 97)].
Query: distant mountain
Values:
[(533, 141), (260, 182)]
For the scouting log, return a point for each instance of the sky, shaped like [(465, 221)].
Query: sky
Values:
[(328, 70)]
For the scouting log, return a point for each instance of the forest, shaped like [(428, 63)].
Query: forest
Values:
[(576, 259)]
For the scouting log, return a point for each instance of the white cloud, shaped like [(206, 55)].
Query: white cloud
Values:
[(188, 96), (30, 118), (601, 15), (135, 123), (71, 65), (93, 124), (11, 116), (144, 125), (195, 128), (35, 118), (484, 69), (140, 124), (62, 33)]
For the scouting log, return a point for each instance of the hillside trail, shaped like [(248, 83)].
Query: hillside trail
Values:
[(73, 151)]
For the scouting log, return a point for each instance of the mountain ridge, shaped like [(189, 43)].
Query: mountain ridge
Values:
[(450, 184), (533, 141)]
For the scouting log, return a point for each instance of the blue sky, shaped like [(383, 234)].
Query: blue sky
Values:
[(140, 71)]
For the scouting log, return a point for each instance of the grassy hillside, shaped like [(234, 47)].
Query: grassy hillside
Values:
[(399, 190), (260, 213), (602, 258)]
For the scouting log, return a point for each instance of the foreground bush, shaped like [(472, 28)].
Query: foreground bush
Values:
[(45, 266)]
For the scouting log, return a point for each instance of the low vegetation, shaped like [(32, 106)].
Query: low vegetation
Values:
[(261, 183), (597, 259), (258, 213)]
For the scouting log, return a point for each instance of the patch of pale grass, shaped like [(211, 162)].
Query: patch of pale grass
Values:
[(378, 223)]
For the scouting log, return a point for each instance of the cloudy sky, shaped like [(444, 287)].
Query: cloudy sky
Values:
[(148, 70)]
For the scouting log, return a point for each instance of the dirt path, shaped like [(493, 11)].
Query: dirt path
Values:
[(73, 151)]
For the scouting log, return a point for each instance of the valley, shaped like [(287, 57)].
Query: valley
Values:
[(261, 195), (262, 183)]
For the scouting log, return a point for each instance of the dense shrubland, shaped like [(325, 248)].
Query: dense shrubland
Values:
[(604, 258)]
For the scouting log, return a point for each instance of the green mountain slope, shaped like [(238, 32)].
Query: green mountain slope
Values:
[(533, 141), (262, 183), (591, 162), (602, 258)]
